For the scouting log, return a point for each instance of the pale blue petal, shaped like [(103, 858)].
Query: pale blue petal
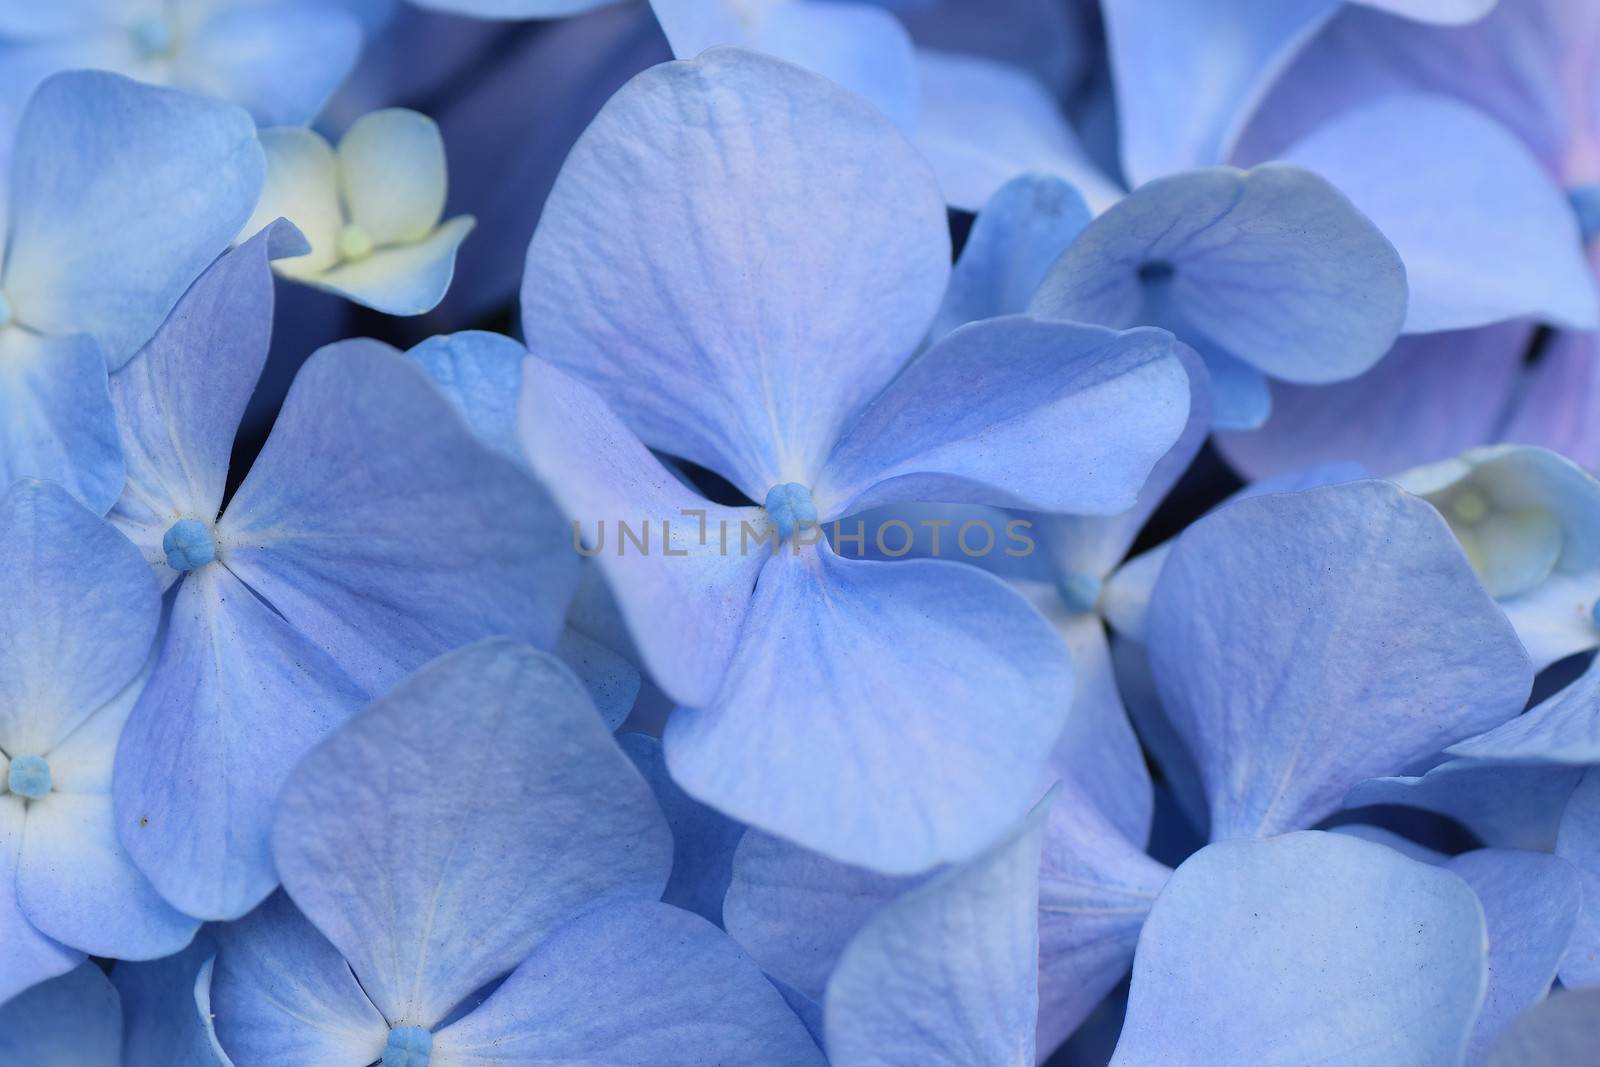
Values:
[(430, 543), (481, 375), (1403, 845), (280, 62), (612, 682), (1168, 751), (179, 401), (41, 20), (1192, 252), (513, 9), (683, 610), (1499, 239), (632, 985), (1241, 397), (1095, 889), (1505, 804), (1557, 1032), (72, 1021), (56, 419), (1431, 397), (280, 994), (403, 279), (983, 123), (30, 957), (1579, 844), (79, 612), (1306, 948), (166, 1009), (1303, 642), (859, 46), (1016, 412), (954, 749), (1530, 903), (784, 322), (703, 840), (121, 194), (1563, 730), (431, 889), (1559, 394), (1021, 230), (968, 995), (794, 910), (236, 699)]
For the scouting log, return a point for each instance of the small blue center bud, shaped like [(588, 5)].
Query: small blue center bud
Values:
[(29, 777), (152, 35), (1080, 592), (789, 505), (188, 544), (409, 1046)]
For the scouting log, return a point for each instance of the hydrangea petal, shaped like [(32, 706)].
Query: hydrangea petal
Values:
[(301, 185), (121, 194), (56, 419), (1579, 844), (392, 175), (431, 543), (927, 777), (280, 62), (1530, 902), (1559, 392), (1564, 729), (1303, 642), (858, 45), (408, 279), (1556, 1032), (1020, 412), (236, 699), (635, 985), (967, 996), (30, 956), (795, 910), (683, 612), (1331, 949), (481, 375), (166, 1009), (78, 610), (1022, 229), (1186, 253), (281, 994), (180, 400), (785, 322), (611, 681), (983, 123), (1505, 805), (1498, 241), (77, 884), (1431, 397), (557, 817), (513, 9), (71, 1021)]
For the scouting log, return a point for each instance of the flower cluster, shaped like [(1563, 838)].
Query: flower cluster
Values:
[(1014, 532)]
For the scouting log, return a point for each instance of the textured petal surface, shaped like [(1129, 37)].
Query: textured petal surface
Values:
[(785, 322), (632, 985), (78, 614), (1498, 239), (280, 62), (1303, 642), (166, 1008), (1333, 950), (30, 956), (1018, 412), (557, 818), (1579, 844), (684, 594), (236, 699), (968, 995), (951, 750), (72, 1021), (281, 994), (1504, 804), (1565, 729), (56, 419), (121, 194), (1188, 253), (481, 375), (378, 526)]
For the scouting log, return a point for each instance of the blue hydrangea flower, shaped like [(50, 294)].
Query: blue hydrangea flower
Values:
[(786, 371), (278, 59), (79, 613), (74, 1019), (120, 194), (372, 533), (371, 210), (1553, 1033), (519, 843)]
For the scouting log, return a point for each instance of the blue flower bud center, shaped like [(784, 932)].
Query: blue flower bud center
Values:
[(153, 35), (29, 777), (789, 506), (1080, 592), (354, 243), (189, 544), (409, 1046)]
